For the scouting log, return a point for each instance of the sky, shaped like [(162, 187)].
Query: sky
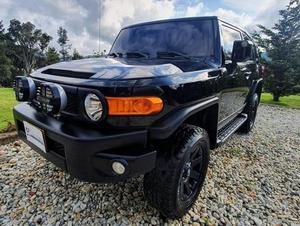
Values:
[(83, 18)]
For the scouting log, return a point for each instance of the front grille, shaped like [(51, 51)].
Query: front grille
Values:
[(72, 104), (68, 73)]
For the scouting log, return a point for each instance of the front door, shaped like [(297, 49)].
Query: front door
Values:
[(233, 82)]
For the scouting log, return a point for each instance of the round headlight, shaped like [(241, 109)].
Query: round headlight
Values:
[(93, 107), (24, 88), (50, 98)]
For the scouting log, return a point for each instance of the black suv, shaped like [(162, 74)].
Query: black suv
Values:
[(167, 93)]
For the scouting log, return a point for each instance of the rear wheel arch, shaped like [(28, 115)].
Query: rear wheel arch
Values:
[(250, 110), (258, 89), (255, 88)]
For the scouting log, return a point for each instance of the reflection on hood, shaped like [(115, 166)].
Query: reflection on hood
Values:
[(109, 68)]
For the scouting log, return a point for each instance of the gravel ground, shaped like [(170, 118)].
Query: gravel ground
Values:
[(253, 180)]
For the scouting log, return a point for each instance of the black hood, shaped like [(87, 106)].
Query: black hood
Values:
[(106, 68)]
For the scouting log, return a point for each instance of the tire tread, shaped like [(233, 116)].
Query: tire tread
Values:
[(160, 184)]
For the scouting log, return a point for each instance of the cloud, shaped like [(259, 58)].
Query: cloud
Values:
[(248, 14), (242, 20), (120, 13), (255, 12), (81, 17), (194, 10), (5, 5), (254, 6)]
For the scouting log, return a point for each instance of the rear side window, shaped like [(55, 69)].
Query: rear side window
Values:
[(253, 49), (229, 35)]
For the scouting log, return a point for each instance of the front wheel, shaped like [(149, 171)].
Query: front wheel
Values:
[(174, 185)]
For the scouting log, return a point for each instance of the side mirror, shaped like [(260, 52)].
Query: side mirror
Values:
[(242, 51)]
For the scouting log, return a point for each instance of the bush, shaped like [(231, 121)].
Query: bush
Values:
[(296, 89)]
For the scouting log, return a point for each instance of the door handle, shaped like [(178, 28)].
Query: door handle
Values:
[(247, 74), (223, 71)]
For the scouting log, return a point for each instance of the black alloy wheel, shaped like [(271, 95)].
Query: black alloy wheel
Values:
[(191, 175), (174, 185)]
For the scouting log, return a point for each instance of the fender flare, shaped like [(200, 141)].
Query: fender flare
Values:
[(165, 127), (253, 89)]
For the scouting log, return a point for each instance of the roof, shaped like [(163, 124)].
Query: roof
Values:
[(173, 20), (186, 19)]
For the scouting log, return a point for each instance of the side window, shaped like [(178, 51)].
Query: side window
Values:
[(229, 35), (245, 37), (252, 50)]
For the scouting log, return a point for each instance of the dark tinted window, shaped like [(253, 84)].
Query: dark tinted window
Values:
[(229, 36), (252, 49), (192, 38)]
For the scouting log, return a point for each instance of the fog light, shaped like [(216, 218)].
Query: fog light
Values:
[(24, 88), (50, 98), (118, 168)]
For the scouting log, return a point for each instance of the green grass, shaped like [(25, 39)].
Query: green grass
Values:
[(7, 102), (292, 101)]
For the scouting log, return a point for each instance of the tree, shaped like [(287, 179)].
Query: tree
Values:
[(99, 54), (44, 41), (63, 41), (5, 63), (5, 67), (282, 42), (26, 44), (1, 31), (96, 54), (76, 55), (41, 57), (52, 56)]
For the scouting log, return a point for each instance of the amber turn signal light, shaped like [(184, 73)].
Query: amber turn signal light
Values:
[(134, 105)]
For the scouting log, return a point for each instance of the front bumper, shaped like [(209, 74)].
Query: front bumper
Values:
[(87, 154)]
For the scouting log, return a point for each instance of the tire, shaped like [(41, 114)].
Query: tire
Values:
[(174, 185), (250, 110)]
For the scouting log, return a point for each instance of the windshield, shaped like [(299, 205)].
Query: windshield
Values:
[(192, 38)]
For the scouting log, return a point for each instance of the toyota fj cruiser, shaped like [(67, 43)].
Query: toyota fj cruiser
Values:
[(167, 93)]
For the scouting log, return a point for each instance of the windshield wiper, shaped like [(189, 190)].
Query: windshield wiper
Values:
[(129, 54), (173, 54), (117, 54), (137, 54)]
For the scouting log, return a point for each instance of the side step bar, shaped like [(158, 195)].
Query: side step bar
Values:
[(226, 131)]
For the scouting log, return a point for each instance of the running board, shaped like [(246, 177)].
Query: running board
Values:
[(226, 131)]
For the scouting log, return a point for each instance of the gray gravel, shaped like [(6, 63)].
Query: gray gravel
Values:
[(253, 180)]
